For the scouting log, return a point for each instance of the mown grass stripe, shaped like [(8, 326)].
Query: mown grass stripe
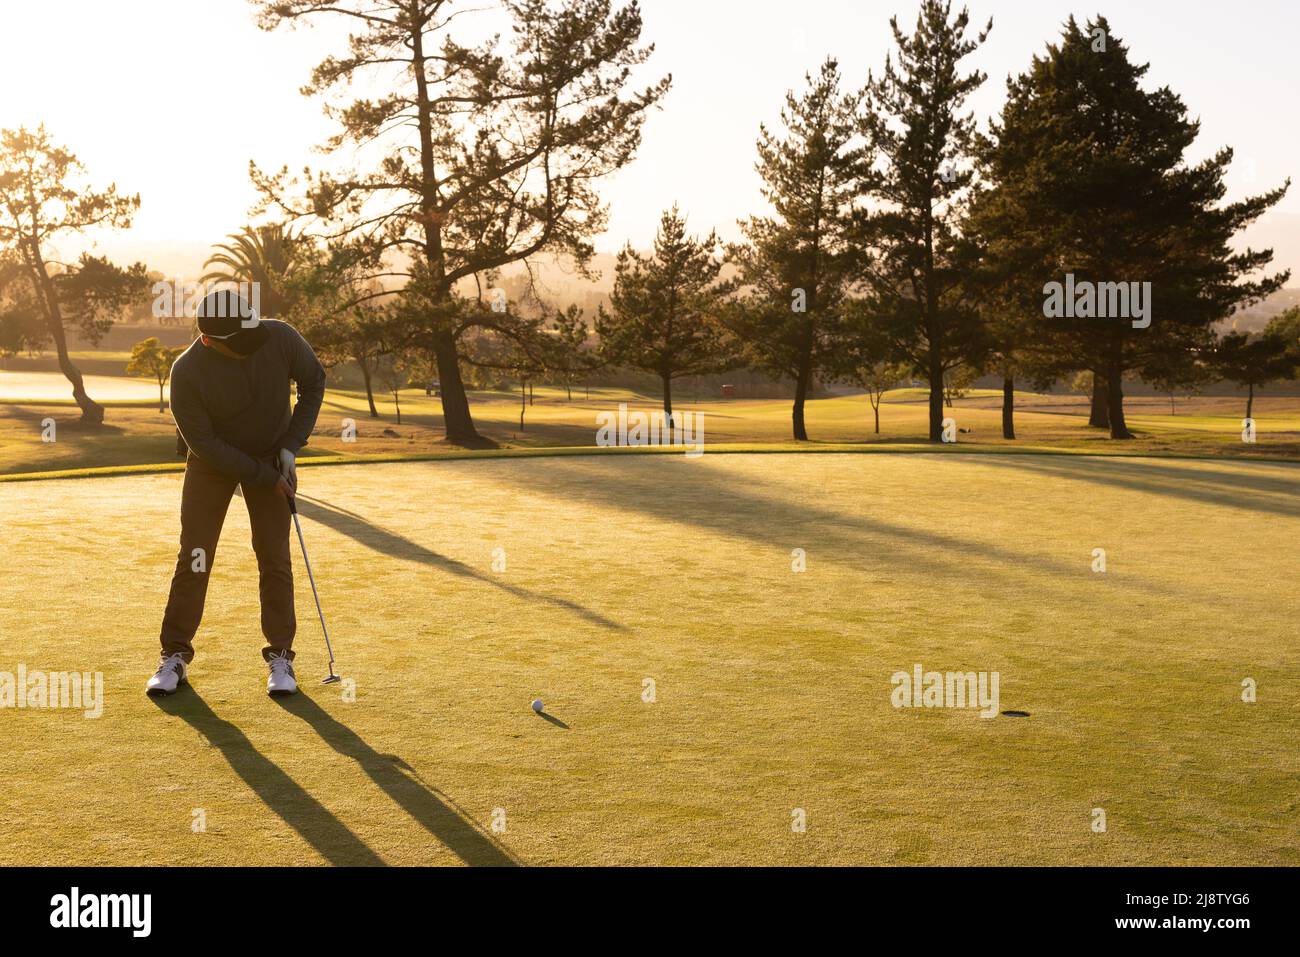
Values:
[(738, 448)]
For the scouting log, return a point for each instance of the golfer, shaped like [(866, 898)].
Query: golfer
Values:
[(230, 399)]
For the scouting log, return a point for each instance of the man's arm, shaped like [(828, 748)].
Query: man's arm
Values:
[(196, 428), (305, 369)]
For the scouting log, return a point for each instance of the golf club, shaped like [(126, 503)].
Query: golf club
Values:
[(293, 510)]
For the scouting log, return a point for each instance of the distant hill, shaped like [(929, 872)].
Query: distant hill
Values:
[(1258, 315)]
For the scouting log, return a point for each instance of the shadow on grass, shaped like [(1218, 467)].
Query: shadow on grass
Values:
[(365, 532), (1238, 489), (318, 827), (434, 811), (742, 510)]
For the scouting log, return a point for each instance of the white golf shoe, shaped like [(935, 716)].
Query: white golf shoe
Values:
[(281, 680), (169, 676)]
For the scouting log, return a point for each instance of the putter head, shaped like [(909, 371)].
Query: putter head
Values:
[(332, 679)]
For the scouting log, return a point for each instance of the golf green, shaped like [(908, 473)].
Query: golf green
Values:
[(705, 703)]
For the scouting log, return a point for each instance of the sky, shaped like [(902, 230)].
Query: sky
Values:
[(172, 98)]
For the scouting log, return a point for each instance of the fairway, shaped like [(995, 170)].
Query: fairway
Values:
[(46, 386), (771, 688)]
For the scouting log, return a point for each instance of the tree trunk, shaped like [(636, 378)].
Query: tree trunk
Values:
[(668, 401), (455, 403), (1250, 400), (1008, 407), (933, 332), (92, 413), (1115, 404), (800, 397), (397, 401), (457, 421), (161, 407), (370, 392), (523, 402), (1098, 415), (936, 396), (875, 407), (530, 393)]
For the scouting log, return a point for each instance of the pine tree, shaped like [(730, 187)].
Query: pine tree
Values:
[(1091, 180), (1255, 360), (913, 119), (484, 155), (664, 309), (797, 267), (571, 356)]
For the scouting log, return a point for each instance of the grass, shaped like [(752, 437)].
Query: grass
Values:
[(771, 688), (136, 433)]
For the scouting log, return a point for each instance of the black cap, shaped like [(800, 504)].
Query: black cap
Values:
[(228, 317)]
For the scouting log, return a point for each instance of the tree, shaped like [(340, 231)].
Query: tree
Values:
[(1255, 360), (957, 381), (341, 326), (1287, 327), (572, 356), (665, 308), (42, 199), (527, 353), (912, 118), (363, 336), (424, 371), (525, 366), (1175, 372), (490, 153), (795, 268), (21, 330), (1010, 309), (394, 371), (150, 359), (267, 256), (1013, 352), (877, 379), (1096, 190)]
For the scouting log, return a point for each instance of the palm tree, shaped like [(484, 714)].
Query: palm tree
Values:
[(266, 255)]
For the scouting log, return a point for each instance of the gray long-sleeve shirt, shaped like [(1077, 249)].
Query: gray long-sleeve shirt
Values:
[(234, 413)]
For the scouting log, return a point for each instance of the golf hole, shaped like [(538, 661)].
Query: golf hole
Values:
[(1015, 714)]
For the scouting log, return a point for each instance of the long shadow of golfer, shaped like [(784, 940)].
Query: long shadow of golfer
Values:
[(436, 812), (362, 530), (322, 830)]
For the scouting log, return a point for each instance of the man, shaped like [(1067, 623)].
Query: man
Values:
[(230, 399)]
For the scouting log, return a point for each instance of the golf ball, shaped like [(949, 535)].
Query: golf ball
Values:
[(537, 705)]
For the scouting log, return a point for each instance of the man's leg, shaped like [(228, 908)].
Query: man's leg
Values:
[(268, 513), (205, 497)]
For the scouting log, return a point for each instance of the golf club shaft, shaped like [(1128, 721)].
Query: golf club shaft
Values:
[(293, 510)]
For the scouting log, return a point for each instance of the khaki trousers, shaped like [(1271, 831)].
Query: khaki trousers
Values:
[(205, 498)]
